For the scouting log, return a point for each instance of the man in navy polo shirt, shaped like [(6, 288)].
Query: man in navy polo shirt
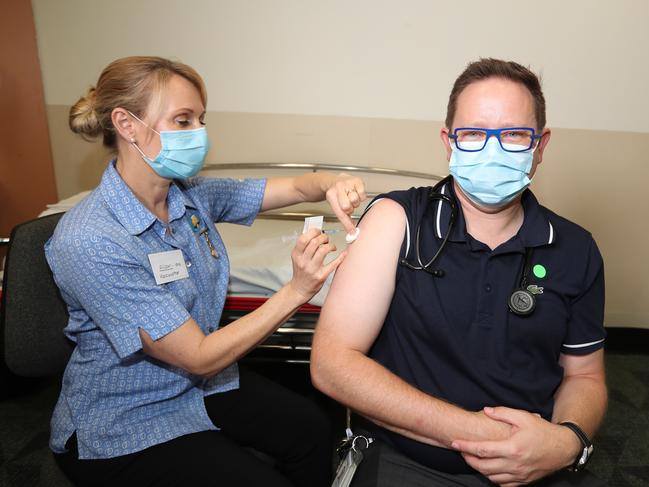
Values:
[(466, 363)]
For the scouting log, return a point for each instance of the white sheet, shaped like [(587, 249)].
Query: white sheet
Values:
[(260, 256)]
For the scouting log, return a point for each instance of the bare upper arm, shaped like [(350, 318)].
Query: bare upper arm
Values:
[(591, 365), (362, 289), (178, 348)]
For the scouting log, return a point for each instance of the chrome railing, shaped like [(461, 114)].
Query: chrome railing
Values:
[(318, 166), (315, 167)]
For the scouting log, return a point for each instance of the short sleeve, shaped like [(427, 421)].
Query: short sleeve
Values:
[(229, 200), (99, 278), (586, 332)]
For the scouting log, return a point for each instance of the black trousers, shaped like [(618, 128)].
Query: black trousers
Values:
[(289, 429), (383, 466)]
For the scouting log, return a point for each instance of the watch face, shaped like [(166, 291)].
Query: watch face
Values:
[(585, 456), (587, 450)]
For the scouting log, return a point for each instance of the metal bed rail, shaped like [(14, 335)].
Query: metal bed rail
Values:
[(315, 167), (289, 344), (319, 166)]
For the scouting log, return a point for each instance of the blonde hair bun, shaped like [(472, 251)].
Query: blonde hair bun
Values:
[(83, 117)]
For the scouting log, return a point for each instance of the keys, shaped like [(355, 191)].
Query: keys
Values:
[(350, 451)]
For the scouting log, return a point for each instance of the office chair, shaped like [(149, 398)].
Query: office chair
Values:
[(32, 318), (33, 313)]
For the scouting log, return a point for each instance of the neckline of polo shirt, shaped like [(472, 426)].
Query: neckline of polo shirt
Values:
[(536, 230), (131, 214), (178, 202)]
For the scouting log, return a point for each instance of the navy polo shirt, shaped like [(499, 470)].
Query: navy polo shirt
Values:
[(455, 338)]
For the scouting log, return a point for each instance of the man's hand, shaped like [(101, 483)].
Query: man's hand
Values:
[(536, 448), (490, 429)]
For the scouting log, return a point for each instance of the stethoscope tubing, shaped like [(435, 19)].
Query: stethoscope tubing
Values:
[(521, 301)]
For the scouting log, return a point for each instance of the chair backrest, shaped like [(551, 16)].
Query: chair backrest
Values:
[(32, 313)]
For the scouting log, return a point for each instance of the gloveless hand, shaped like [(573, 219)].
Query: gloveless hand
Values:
[(309, 270)]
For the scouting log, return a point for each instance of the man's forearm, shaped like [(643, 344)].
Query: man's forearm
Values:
[(376, 393), (581, 400)]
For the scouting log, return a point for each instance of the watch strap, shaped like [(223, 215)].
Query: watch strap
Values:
[(587, 446)]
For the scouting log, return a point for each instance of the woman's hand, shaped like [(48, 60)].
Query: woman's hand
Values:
[(345, 193), (309, 270)]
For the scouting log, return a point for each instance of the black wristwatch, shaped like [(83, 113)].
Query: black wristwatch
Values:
[(587, 450)]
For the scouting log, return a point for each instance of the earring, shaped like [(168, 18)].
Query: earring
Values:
[(132, 140)]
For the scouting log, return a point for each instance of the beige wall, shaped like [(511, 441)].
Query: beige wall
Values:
[(366, 82)]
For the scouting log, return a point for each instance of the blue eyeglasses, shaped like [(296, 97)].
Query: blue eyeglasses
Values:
[(511, 139)]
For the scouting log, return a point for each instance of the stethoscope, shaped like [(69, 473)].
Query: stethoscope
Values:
[(521, 301)]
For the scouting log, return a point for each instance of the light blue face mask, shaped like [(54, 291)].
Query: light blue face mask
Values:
[(491, 177), (182, 152)]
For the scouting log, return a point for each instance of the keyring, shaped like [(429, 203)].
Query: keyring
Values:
[(367, 443)]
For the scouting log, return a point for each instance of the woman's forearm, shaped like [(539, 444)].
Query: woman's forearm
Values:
[(225, 346), (188, 348), (282, 192)]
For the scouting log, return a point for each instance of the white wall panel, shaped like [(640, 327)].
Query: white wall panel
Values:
[(369, 58)]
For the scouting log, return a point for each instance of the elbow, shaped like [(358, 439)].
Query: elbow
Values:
[(192, 365), (203, 369), (198, 365), (323, 366), (206, 362), (317, 378), (199, 370)]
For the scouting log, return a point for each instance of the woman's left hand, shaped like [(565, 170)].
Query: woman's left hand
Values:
[(344, 195)]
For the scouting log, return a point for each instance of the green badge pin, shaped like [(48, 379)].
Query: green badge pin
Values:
[(539, 271)]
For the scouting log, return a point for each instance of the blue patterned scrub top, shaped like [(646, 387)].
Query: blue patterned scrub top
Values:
[(117, 399)]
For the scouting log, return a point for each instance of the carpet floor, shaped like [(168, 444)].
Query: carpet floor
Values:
[(621, 458)]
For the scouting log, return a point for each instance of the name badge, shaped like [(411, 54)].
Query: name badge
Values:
[(168, 266)]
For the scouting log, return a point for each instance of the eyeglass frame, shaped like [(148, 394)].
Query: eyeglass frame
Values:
[(496, 133)]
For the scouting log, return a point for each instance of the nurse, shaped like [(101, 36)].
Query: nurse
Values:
[(152, 394)]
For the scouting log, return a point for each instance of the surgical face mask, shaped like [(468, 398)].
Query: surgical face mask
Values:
[(182, 152), (491, 177)]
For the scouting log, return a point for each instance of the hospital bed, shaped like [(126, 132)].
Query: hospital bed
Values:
[(259, 255)]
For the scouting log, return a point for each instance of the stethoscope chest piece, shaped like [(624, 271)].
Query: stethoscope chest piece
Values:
[(522, 302)]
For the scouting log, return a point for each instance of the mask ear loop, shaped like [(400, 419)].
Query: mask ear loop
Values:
[(142, 121), (144, 156)]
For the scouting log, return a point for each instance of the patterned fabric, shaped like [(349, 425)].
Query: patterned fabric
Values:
[(116, 398)]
